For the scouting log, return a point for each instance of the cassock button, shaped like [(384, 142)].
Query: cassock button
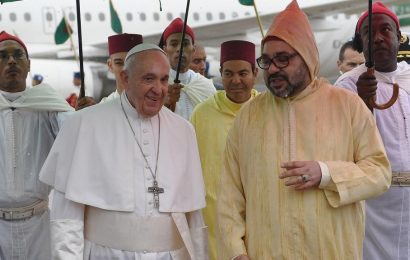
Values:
[(145, 130), (146, 142), (146, 166)]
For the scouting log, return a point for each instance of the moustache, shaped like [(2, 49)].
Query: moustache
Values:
[(278, 76), (236, 87), (375, 49), (183, 58), (12, 69)]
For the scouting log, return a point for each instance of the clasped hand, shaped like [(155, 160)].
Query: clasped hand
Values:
[(174, 92), (366, 86)]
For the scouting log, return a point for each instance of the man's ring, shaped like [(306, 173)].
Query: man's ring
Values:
[(305, 178)]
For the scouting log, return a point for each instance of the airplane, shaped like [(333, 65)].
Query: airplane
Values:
[(213, 21)]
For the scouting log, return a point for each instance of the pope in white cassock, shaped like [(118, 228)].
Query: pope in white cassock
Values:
[(127, 175)]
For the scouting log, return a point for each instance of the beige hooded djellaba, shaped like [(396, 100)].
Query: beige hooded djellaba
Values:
[(257, 214)]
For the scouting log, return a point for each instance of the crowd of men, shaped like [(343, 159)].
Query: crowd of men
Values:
[(167, 167)]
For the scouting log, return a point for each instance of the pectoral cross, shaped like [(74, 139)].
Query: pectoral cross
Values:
[(156, 190)]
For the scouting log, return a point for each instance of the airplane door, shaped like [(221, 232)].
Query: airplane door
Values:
[(49, 20)]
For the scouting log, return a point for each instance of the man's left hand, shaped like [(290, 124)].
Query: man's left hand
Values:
[(301, 175)]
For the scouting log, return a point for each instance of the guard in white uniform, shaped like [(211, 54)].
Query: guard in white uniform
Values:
[(29, 123)]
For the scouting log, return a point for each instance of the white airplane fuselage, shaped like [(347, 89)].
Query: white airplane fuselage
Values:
[(213, 21)]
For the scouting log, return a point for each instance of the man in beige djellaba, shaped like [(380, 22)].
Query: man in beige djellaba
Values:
[(299, 159)]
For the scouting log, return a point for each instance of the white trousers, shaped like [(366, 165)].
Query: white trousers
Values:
[(388, 226)]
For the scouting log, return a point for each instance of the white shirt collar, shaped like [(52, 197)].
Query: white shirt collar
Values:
[(12, 96)]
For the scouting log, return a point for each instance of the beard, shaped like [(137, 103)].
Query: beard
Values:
[(14, 85), (283, 93), (290, 87), (288, 91)]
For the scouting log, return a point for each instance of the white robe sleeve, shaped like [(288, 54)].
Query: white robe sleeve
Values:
[(61, 117), (67, 225), (199, 233)]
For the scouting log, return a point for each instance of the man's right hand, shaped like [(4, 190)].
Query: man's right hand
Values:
[(174, 92), (366, 86)]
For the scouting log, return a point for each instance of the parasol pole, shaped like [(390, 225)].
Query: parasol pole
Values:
[(80, 49), (182, 43), (370, 66), (172, 106)]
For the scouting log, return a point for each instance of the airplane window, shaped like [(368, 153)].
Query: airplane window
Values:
[(101, 16), (247, 13), (196, 16), (13, 17), (222, 16), (49, 17), (87, 17), (234, 14), (0, 17), (209, 16), (156, 16), (129, 16), (182, 15), (143, 17), (169, 16), (71, 16), (27, 17)]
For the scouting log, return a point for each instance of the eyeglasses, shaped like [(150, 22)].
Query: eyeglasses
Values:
[(280, 61), (18, 56)]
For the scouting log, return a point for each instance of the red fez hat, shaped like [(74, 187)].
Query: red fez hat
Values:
[(4, 36), (176, 26), (123, 42), (378, 8), (238, 50)]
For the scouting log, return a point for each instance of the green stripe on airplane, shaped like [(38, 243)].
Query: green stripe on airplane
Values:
[(404, 21), (246, 2), (6, 1)]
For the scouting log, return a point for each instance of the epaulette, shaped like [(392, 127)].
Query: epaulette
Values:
[(404, 49)]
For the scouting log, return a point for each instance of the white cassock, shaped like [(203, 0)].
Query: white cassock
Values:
[(196, 89), (388, 215), (29, 122), (101, 179)]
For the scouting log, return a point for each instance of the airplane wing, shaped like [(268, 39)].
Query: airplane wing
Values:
[(316, 10)]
